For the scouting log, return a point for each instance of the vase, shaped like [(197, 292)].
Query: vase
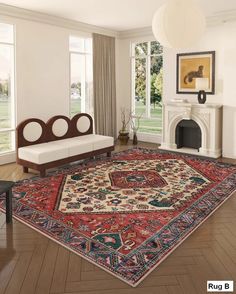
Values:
[(123, 137), (135, 139)]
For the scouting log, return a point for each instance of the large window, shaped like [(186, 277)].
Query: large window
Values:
[(7, 102), (147, 77), (80, 75)]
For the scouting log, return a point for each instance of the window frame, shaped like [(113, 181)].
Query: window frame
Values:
[(83, 89), (148, 56), (12, 129)]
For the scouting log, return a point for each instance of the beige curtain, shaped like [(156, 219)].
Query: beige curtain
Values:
[(104, 85)]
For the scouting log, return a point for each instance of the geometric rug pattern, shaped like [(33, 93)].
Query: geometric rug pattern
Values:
[(127, 213)]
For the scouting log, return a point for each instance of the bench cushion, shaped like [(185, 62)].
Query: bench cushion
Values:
[(97, 141), (43, 153), (75, 147)]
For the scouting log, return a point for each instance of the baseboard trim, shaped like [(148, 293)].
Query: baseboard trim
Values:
[(8, 157), (228, 156)]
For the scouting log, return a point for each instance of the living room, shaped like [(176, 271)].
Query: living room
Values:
[(117, 146)]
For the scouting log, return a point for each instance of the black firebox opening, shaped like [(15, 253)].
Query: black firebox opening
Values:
[(188, 134)]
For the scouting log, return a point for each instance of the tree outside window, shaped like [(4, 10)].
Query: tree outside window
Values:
[(147, 65)]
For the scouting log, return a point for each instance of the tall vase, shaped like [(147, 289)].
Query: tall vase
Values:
[(135, 139)]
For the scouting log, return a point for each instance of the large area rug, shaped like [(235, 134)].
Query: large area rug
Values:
[(125, 214)]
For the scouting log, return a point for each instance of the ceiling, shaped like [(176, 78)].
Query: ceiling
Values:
[(118, 15)]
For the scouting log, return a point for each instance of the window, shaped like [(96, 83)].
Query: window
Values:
[(7, 101), (147, 81), (80, 75)]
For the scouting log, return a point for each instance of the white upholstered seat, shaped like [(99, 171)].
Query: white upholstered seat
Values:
[(75, 147), (97, 141), (43, 153), (55, 150)]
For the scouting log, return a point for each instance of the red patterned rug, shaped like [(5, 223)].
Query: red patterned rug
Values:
[(125, 214)]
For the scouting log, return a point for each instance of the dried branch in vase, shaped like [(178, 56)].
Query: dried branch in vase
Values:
[(125, 119), (135, 122)]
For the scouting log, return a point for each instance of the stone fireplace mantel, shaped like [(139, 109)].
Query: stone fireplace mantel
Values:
[(207, 116)]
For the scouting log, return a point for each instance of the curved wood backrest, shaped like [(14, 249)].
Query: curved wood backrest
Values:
[(20, 139), (47, 129), (51, 121), (75, 132)]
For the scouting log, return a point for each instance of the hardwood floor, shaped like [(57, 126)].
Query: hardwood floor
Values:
[(31, 263)]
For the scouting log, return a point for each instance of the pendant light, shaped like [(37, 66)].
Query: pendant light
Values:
[(178, 24)]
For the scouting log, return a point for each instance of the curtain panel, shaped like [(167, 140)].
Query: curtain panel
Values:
[(104, 85)]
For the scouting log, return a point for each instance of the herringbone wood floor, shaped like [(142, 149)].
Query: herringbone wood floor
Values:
[(31, 263)]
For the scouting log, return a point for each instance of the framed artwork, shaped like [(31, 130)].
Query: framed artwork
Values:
[(195, 65)]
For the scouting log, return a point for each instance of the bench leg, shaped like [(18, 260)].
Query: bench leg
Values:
[(9, 206), (25, 169), (42, 173), (109, 154)]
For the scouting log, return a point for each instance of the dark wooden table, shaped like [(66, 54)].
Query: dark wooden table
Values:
[(6, 187)]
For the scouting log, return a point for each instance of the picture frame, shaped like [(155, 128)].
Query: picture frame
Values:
[(195, 65)]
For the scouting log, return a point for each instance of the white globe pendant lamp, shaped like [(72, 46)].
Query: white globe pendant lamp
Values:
[(178, 24)]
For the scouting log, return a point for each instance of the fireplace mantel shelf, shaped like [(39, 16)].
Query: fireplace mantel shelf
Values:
[(208, 117), (187, 104)]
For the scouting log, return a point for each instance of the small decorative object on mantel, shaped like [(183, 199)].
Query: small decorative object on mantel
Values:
[(192, 66), (179, 100), (124, 133), (135, 126), (202, 84)]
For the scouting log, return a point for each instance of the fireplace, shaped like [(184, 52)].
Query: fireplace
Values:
[(192, 128), (188, 134)]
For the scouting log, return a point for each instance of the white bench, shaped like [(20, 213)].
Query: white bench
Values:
[(45, 145)]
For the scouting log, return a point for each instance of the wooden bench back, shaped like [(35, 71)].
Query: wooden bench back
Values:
[(47, 129)]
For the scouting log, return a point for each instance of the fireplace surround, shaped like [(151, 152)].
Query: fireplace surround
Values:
[(205, 120)]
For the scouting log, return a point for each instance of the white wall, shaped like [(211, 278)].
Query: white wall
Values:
[(123, 78), (229, 101), (42, 70), (220, 39)]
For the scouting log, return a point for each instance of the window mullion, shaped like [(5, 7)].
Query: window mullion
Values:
[(83, 87), (133, 60)]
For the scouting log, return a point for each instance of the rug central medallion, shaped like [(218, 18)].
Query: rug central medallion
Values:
[(137, 179), (130, 186)]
